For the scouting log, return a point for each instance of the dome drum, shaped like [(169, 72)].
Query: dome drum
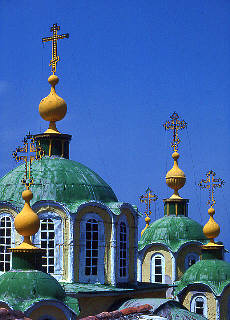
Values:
[(178, 207), (54, 144)]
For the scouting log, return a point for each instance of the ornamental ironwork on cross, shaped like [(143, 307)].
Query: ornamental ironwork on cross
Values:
[(55, 58), (175, 124), (211, 183), (147, 198), (30, 151)]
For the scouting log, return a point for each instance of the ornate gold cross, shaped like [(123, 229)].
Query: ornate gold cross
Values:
[(147, 198), (31, 150), (211, 183), (55, 58), (175, 125)]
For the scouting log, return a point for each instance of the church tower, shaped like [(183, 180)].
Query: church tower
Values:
[(170, 245)]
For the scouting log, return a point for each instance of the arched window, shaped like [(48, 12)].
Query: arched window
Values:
[(123, 249), (5, 242), (158, 268), (199, 305), (191, 259), (92, 247), (50, 238)]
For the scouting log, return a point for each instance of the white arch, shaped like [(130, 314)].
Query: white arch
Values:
[(198, 304)]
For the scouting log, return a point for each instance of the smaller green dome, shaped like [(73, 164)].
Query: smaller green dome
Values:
[(213, 273), (20, 289), (172, 231)]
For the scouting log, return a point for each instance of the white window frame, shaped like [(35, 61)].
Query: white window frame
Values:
[(190, 255), (152, 267), (125, 278), (193, 303), (100, 276), (58, 241), (12, 237)]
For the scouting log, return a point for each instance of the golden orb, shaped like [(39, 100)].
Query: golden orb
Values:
[(53, 108), (175, 178), (27, 222), (211, 229)]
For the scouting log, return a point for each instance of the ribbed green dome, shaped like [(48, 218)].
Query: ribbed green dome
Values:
[(214, 273), (172, 231), (57, 179), (20, 289)]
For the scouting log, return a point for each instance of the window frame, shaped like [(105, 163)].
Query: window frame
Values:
[(122, 220), (193, 304), (12, 237), (99, 277), (58, 241), (152, 268)]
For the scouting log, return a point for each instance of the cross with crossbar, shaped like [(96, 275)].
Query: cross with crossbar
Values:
[(175, 125), (147, 198), (30, 151), (211, 183), (55, 58)]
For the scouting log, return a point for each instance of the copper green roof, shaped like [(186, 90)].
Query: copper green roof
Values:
[(213, 273), (57, 179), (172, 231), (21, 289)]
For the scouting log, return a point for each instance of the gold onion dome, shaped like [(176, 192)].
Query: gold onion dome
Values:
[(52, 108), (211, 229), (27, 222), (175, 178)]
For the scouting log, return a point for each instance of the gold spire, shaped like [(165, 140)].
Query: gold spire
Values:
[(27, 222), (175, 178), (211, 229), (53, 108), (147, 198)]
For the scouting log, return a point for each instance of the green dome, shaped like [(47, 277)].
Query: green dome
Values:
[(57, 179), (213, 273), (20, 289), (173, 231)]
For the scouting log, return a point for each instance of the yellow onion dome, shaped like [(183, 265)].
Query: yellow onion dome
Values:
[(52, 108), (175, 178), (27, 222), (211, 229)]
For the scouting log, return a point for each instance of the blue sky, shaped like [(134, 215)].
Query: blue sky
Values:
[(127, 66)]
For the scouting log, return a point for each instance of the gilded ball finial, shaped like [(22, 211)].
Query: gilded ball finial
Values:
[(211, 229), (27, 222), (52, 108), (175, 178)]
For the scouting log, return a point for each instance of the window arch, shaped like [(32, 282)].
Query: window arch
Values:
[(6, 241), (157, 269), (190, 259), (92, 248), (199, 305), (123, 249), (50, 238)]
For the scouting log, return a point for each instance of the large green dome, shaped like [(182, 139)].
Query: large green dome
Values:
[(173, 231), (21, 289), (57, 179), (214, 273)]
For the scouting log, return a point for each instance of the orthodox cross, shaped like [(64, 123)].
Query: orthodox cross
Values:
[(55, 58), (211, 183), (175, 125), (28, 152), (147, 198)]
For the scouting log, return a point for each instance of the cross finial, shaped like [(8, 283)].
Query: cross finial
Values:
[(147, 198), (211, 183), (55, 58), (175, 124), (28, 152)]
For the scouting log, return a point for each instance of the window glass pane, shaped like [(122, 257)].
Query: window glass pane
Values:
[(48, 243), (91, 247), (123, 250), (5, 243)]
